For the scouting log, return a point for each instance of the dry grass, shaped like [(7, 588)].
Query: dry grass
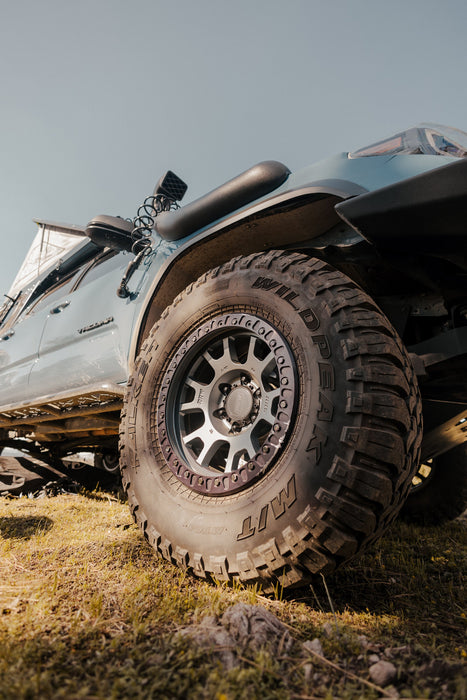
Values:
[(88, 611)]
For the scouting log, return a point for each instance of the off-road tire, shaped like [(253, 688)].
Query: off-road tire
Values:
[(347, 449), (439, 494)]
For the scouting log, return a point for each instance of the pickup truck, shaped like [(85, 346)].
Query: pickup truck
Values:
[(277, 368)]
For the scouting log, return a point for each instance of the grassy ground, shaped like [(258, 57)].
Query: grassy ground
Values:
[(88, 611)]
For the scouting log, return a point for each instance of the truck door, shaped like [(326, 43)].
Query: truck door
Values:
[(19, 346), (86, 331)]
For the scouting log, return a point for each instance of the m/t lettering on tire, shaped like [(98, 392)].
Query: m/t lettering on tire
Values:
[(278, 505)]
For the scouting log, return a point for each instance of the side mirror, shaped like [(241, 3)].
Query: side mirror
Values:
[(110, 232)]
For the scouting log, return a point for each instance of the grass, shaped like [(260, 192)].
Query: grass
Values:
[(88, 611)]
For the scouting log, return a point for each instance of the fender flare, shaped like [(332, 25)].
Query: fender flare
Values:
[(280, 220), (424, 212)]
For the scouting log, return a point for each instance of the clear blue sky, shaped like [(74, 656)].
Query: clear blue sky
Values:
[(100, 97)]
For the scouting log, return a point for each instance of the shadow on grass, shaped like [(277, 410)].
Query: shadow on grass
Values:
[(24, 527), (413, 579), (415, 573)]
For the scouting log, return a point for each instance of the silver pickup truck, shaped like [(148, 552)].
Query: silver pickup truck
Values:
[(278, 367)]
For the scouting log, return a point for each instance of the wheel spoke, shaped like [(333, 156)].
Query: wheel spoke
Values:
[(251, 357), (189, 407), (227, 350), (207, 453), (266, 410), (228, 356), (197, 403), (233, 460), (267, 363), (198, 434), (261, 369), (240, 446)]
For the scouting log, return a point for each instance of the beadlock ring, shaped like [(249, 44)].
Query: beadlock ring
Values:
[(218, 353)]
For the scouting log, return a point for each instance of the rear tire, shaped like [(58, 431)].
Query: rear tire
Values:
[(272, 425)]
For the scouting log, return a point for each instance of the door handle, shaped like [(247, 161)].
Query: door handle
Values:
[(60, 307), (7, 336)]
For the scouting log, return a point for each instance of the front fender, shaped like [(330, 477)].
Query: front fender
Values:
[(280, 220)]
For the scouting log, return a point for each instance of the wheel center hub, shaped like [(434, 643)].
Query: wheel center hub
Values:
[(239, 403)]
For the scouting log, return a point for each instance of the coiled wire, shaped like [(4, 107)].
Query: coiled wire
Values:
[(143, 223), (141, 235)]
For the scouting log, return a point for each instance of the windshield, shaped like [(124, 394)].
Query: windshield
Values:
[(51, 242), (429, 139)]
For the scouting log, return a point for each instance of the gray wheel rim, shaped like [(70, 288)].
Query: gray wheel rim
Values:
[(226, 403)]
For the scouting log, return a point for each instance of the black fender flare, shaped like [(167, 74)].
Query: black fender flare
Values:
[(425, 213)]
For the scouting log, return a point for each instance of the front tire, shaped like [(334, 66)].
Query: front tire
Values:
[(272, 424)]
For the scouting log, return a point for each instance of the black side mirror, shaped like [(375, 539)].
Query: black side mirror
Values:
[(110, 232)]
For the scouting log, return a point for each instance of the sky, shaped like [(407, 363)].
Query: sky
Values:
[(98, 98)]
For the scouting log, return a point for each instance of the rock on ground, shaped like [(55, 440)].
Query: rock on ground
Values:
[(382, 673), (242, 626)]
